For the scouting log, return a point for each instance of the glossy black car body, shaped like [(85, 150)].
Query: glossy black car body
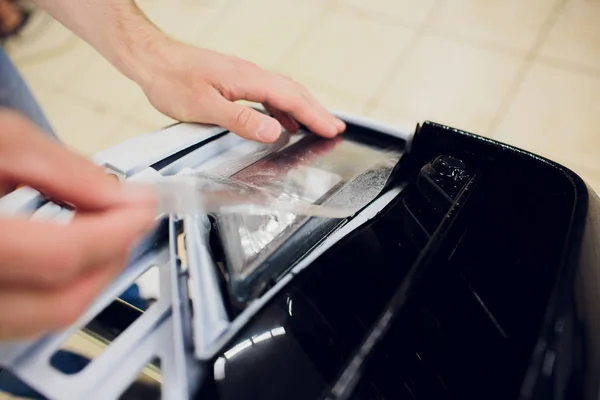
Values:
[(477, 282)]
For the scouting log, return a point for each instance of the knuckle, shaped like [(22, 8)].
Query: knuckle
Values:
[(242, 117), (297, 102)]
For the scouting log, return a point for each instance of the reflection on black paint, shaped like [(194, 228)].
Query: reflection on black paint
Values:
[(469, 329)]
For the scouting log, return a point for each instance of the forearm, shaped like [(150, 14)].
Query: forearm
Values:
[(116, 28)]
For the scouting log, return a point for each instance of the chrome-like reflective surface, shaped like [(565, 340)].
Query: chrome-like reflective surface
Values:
[(339, 174)]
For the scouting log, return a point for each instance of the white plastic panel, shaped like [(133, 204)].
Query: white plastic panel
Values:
[(165, 330), (34, 367), (22, 200), (142, 151)]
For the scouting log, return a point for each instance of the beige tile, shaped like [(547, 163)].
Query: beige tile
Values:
[(407, 11), (147, 116), (591, 176), (594, 183), (56, 64), (35, 82), (348, 53), (102, 83), (186, 20), (394, 117), (44, 93), (556, 114), (81, 125), (47, 52), (451, 83), (6, 396), (576, 35), (61, 66), (126, 131), (41, 34), (262, 31), (514, 23), (333, 100)]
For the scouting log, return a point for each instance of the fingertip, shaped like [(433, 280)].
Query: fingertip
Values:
[(269, 130), (340, 125), (145, 217), (138, 195), (140, 222), (331, 131)]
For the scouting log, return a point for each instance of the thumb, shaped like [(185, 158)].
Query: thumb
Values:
[(245, 122)]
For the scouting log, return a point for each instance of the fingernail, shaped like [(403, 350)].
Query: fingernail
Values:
[(333, 131), (341, 126), (268, 130)]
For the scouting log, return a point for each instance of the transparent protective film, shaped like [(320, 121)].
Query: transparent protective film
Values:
[(200, 193), (291, 179), (273, 191)]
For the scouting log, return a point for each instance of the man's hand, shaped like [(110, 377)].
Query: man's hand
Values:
[(197, 85), (50, 272), (191, 84)]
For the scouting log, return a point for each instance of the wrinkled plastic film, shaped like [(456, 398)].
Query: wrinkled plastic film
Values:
[(299, 179), (313, 177), (244, 155), (211, 194), (262, 195)]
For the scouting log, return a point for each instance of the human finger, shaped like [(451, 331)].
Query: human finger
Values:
[(243, 121), (29, 157), (340, 125), (284, 119), (33, 312), (46, 254)]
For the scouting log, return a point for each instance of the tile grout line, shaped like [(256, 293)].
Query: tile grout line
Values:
[(480, 44), (102, 109), (333, 90), (207, 30), (416, 38), (568, 66), (303, 36), (524, 69), (334, 5), (374, 16)]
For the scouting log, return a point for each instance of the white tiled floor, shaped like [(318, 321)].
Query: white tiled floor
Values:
[(557, 113), (511, 23), (524, 72), (575, 37), (409, 12), (348, 53), (262, 31), (452, 83)]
